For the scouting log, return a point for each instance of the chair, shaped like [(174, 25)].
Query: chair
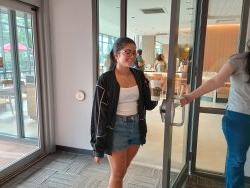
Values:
[(6, 93)]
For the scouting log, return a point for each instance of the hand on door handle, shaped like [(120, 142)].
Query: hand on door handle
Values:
[(174, 105)]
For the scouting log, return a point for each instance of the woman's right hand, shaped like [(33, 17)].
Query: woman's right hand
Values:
[(98, 160), (186, 99)]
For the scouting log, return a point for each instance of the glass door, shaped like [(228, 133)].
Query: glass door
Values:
[(225, 35), (20, 130), (181, 39)]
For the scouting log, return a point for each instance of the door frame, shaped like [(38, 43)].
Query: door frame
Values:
[(196, 79), (168, 129), (42, 51)]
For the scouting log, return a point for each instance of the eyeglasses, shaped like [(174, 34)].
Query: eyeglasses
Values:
[(128, 52)]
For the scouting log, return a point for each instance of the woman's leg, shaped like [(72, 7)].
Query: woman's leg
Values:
[(236, 130), (131, 152), (119, 162), (118, 166)]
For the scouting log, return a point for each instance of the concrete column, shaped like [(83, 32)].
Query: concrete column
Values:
[(148, 49)]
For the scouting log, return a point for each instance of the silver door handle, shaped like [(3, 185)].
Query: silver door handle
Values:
[(174, 104), (177, 104), (162, 109)]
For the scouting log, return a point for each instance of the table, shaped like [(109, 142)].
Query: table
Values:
[(180, 82)]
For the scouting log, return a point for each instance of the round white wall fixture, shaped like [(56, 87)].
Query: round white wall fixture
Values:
[(80, 95)]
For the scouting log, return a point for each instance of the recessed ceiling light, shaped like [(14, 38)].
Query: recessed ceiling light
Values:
[(153, 10), (133, 17)]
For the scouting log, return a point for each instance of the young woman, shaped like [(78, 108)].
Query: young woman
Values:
[(236, 120), (160, 64), (118, 124)]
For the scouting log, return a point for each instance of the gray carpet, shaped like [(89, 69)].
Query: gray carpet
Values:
[(73, 170), (64, 169)]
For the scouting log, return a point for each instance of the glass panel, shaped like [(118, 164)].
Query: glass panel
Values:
[(144, 29), (152, 36), (222, 35), (27, 74), (8, 125), (182, 77), (18, 128), (211, 144), (109, 31)]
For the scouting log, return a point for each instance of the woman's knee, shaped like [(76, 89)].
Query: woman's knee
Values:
[(118, 175)]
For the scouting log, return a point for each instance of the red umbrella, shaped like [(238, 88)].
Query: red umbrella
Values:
[(21, 47)]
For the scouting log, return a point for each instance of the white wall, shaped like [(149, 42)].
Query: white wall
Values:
[(71, 30)]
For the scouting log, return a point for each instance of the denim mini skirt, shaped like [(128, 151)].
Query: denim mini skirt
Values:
[(126, 132)]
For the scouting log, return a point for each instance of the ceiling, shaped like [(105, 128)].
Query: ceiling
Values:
[(138, 23)]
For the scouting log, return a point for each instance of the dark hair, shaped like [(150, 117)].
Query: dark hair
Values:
[(139, 51), (119, 44), (159, 57)]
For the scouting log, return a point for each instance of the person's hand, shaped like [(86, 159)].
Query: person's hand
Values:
[(186, 99), (98, 160)]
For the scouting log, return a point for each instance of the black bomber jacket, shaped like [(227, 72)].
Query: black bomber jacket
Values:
[(105, 106)]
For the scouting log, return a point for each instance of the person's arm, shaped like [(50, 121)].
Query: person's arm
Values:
[(215, 82), (99, 119)]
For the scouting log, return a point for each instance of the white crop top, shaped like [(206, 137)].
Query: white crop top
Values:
[(127, 104)]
